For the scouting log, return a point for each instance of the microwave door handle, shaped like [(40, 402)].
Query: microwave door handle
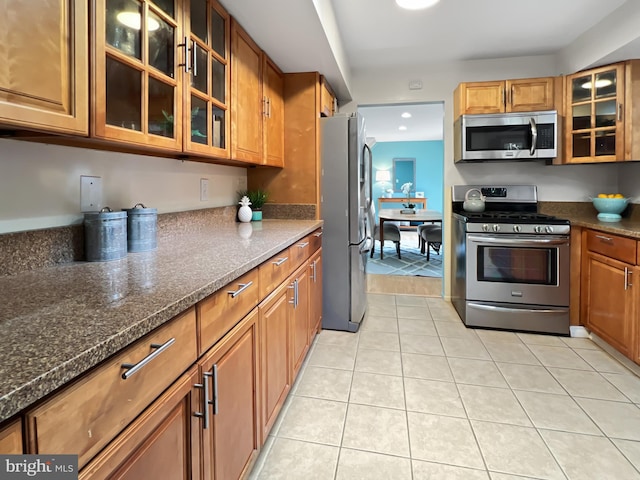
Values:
[(534, 135)]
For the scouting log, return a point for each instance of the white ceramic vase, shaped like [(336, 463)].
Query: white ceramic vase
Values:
[(245, 213)]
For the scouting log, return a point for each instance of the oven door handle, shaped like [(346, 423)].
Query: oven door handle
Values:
[(519, 241), (494, 308)]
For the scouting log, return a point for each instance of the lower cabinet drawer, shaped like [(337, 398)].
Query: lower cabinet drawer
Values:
[(274, 271), (315, 241), (87, 415), (613, 246), (219, 312), (300, 251)]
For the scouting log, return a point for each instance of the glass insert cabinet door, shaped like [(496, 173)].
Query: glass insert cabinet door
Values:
[(207, 35), (595, 124), (137, 81)]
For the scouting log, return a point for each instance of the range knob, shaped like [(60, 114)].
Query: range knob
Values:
[(537, 229), (485, 228), (517, 228), (548, 229), (496, 228)]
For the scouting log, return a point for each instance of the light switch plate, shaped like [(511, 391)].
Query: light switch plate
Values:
[(204, 189), (90, 193)]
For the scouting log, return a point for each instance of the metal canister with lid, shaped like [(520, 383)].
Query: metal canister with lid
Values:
[(105, 235), (142, 227)]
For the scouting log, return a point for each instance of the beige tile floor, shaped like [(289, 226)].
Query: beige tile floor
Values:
[(415, 395)]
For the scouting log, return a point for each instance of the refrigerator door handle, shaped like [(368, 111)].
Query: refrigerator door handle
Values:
[(369, 166)]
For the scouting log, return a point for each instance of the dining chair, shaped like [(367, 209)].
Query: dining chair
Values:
[(430, 237), (391, 232)]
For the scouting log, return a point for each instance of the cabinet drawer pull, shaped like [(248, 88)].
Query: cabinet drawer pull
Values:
[(605, 239), (132, 368), (313, 271), (187, 63), (194, 60), (214, 400), (317, 234), (303, 244), (280, 261), (207, 401), (627, 274), (243, 287)]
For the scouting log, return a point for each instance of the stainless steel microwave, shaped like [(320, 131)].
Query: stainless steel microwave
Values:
[(506, 136)]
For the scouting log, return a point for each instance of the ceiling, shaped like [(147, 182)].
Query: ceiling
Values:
[(343, 37)]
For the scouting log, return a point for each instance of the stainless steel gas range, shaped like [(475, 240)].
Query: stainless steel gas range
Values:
[(511, 264)]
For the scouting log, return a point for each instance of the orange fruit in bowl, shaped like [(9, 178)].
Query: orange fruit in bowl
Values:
[(618, 195), (602, 195)]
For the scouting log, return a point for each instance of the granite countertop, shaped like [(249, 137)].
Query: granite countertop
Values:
[(58, 322), (583, 214)]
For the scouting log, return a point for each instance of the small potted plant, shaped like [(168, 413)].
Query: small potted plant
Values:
[(257, 198)]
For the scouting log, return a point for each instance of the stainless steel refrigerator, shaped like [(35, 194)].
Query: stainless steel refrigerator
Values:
[(346, 210)]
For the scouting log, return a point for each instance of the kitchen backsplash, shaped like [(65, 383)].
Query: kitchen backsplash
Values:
[(28, 250)]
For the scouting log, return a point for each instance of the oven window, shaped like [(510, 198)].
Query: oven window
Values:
[(518, 265)]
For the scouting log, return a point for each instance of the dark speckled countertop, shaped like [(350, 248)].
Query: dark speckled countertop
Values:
[(58, 322), (583, 214)]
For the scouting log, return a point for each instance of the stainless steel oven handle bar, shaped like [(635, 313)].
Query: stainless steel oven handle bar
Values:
[(520, 241), (494, 308)]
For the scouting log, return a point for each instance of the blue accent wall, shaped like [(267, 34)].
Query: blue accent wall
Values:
[(429, 157)]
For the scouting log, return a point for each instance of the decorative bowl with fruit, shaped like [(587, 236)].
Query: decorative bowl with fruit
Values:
[(610, 206)]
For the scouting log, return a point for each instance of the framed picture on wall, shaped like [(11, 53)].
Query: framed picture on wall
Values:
[(419, 194)]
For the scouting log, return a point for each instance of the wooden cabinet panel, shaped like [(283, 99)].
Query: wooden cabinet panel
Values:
[(219, 312), (274, 116), (11, 438), (274, 271), (102, 403), (530, 94), (614, 246), (45, 41), (299, 182), (315, 240), (247, 97), (299, 301), (608, 302), (163, 442), (275, 372), (327, 98), (520, 95), (231, 442), (299, 251), (315, 294)]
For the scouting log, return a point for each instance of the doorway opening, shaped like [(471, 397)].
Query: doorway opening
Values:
[(407, 144)]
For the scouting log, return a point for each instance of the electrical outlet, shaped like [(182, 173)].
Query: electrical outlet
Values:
[(204, 189), (90, 193)]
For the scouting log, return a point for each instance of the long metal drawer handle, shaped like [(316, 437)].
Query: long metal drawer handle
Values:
[(520, 241), (207, 401), (627, 283), (604, 239), (303, 244), (133, 368), (280, 261), (318, 234), (243, 287), (494, 308)]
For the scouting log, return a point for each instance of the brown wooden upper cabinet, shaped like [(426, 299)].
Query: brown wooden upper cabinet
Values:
[(522, 95), (44, 76), (599, 114), (162, 83), (257, 116), (327, 99)]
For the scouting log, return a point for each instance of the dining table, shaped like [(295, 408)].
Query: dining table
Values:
[(396, 215)]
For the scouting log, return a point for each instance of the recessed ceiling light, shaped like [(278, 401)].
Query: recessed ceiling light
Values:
[(406, 115), (402, 127), (416, 4), (601, 83)]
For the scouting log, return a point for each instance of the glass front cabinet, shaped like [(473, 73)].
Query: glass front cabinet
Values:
[(161, 74), (595, 115)]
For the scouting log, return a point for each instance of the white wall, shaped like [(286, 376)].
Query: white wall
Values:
[(555, 183), (40, 184)]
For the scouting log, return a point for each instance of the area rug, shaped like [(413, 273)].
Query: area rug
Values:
[(412, 263)]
